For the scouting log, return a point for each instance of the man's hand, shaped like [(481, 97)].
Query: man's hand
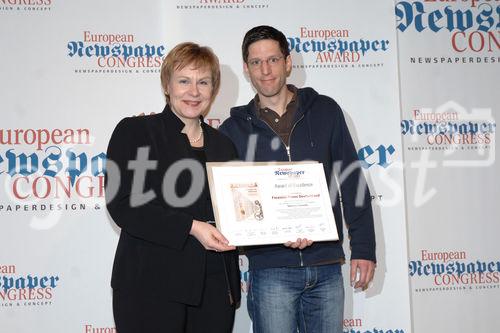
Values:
[(366, 269), (300, 243), (210, 237), (143, 114)]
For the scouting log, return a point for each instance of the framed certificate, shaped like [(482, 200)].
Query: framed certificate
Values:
[(258, 203)]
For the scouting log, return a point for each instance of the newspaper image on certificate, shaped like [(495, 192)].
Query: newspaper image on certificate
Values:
[(257, 203)]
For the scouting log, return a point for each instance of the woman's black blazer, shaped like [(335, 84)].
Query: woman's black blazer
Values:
[(155, 253)]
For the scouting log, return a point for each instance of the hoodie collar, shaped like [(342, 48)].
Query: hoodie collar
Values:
[(306, 97)]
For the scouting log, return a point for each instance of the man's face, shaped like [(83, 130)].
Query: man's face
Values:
[(267, 67)]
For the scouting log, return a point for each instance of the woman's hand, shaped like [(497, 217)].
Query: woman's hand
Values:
[(210, 237)]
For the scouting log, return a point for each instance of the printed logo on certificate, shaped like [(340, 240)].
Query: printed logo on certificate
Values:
[(258, 203)]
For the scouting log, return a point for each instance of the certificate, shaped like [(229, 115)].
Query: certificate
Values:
[(271, 203)]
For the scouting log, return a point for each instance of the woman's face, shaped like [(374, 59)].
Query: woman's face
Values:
[(190, 92)]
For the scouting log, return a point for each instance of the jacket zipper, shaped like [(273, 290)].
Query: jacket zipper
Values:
[(287, 147), (289, 153)]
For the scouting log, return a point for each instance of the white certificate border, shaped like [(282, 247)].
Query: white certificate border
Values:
[(215, 199)]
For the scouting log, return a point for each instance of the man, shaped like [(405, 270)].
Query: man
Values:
[(299, 284)]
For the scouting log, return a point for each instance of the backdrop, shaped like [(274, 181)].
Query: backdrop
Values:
[(449, 65), (415, 80)]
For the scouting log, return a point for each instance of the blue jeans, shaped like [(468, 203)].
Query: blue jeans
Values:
[(310, 299)]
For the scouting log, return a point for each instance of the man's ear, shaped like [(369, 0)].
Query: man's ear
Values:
[(288, 64)]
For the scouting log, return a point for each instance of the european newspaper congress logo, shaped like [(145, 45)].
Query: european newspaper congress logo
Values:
[(357, 325), (26, 289), (453, 270), (466, 138), (89, 328), (26, 6), (210, 5), (336, 48), (114, 53), (471, 28), (46, 170)]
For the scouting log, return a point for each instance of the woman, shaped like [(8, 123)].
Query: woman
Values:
[(173, 271)]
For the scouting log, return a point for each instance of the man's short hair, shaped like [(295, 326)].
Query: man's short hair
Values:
[(186, 54), (264, 32)]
